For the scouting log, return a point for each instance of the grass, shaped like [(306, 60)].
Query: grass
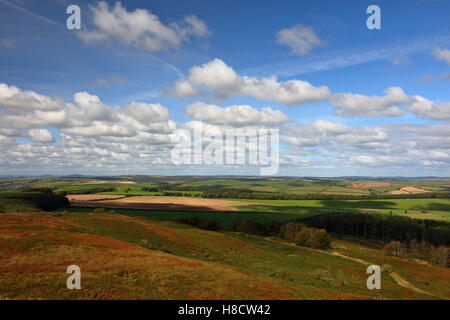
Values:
[(438, 209), (136, 257)]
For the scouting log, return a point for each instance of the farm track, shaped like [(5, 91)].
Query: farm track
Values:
[(397, 278)]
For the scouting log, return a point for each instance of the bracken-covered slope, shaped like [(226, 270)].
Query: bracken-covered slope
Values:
[(125, 257)]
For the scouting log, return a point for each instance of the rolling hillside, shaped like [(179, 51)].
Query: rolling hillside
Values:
[(124, 257)]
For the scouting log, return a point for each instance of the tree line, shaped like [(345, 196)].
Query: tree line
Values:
[(31, 201), (405, 237), (250, 194), (382, 227)]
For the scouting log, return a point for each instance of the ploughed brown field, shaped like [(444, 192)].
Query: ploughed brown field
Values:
[(104, 181), (365, 185), (156, 203), (409, 190)]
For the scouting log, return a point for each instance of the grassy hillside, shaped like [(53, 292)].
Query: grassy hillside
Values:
[(132, 257)]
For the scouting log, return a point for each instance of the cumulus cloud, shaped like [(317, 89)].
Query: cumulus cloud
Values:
[(322, 133), (87, 116), (140, 28), (144, 111), (41, 135), (441, 54), (14, 98), (184, 88), (350, 104), (396, 149), (364, 159), (237, 116), (223, 81), (138, 136), (6, 141), (301, 39), (435, 110)]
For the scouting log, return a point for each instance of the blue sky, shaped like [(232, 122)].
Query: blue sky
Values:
[(410, 52)]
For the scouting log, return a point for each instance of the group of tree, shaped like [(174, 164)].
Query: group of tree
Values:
[(382, 227), (294, 232), (305, 236), (436, 255)]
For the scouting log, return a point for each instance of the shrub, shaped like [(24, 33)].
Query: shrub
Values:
[(290, 230), (313, 238)]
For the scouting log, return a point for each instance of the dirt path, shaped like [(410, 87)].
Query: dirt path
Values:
[(404, 283), (399, 279)]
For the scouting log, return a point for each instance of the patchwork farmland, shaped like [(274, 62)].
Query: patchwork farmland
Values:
[(176, 238)]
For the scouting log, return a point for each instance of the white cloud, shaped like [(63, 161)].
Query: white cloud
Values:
[(98, 128), (140, 28), (321, 133), (14, 98), (91, 107), (441, 54), (146, 112), (291, 92), (50, 118), (88, 116), (223, 81), (301, 39), (183, 88), (6, 141), (350, 104), (430, 109), (363, 159), (137, 137), (238, 115), (41, 135)]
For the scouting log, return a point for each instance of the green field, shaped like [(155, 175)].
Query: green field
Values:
[(287, 185), (436, 209)]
